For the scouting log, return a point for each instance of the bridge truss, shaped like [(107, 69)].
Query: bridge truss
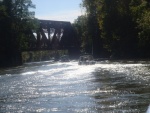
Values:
[(52, 35)]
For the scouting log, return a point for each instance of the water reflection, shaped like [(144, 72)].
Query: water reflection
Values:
[(107, 87)]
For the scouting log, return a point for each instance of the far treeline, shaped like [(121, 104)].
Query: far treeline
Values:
[(115, 28)]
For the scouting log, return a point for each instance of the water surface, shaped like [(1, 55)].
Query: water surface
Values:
[(107, 87)]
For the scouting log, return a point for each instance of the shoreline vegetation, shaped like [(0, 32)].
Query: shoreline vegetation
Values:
[(35, 56)]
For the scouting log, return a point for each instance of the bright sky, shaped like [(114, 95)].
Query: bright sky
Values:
[(61, 10)]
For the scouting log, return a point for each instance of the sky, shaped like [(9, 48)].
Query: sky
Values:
[(60, 10)]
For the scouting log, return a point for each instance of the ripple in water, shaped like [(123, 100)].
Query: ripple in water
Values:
[(109, 87)]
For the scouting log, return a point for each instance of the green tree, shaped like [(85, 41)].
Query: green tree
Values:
[(121, 26), (17, 20), (117, 27), (80, 26), (94, 42), (141, 11)]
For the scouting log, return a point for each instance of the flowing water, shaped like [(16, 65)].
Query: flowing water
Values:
[(46, 87)]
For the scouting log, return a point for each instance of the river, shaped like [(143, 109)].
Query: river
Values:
[(47, 87)]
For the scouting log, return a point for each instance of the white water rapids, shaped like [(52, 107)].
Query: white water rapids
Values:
[(107, 87)]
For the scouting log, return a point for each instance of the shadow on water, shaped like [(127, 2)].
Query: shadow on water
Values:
[(124, 87), (25, 67)]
